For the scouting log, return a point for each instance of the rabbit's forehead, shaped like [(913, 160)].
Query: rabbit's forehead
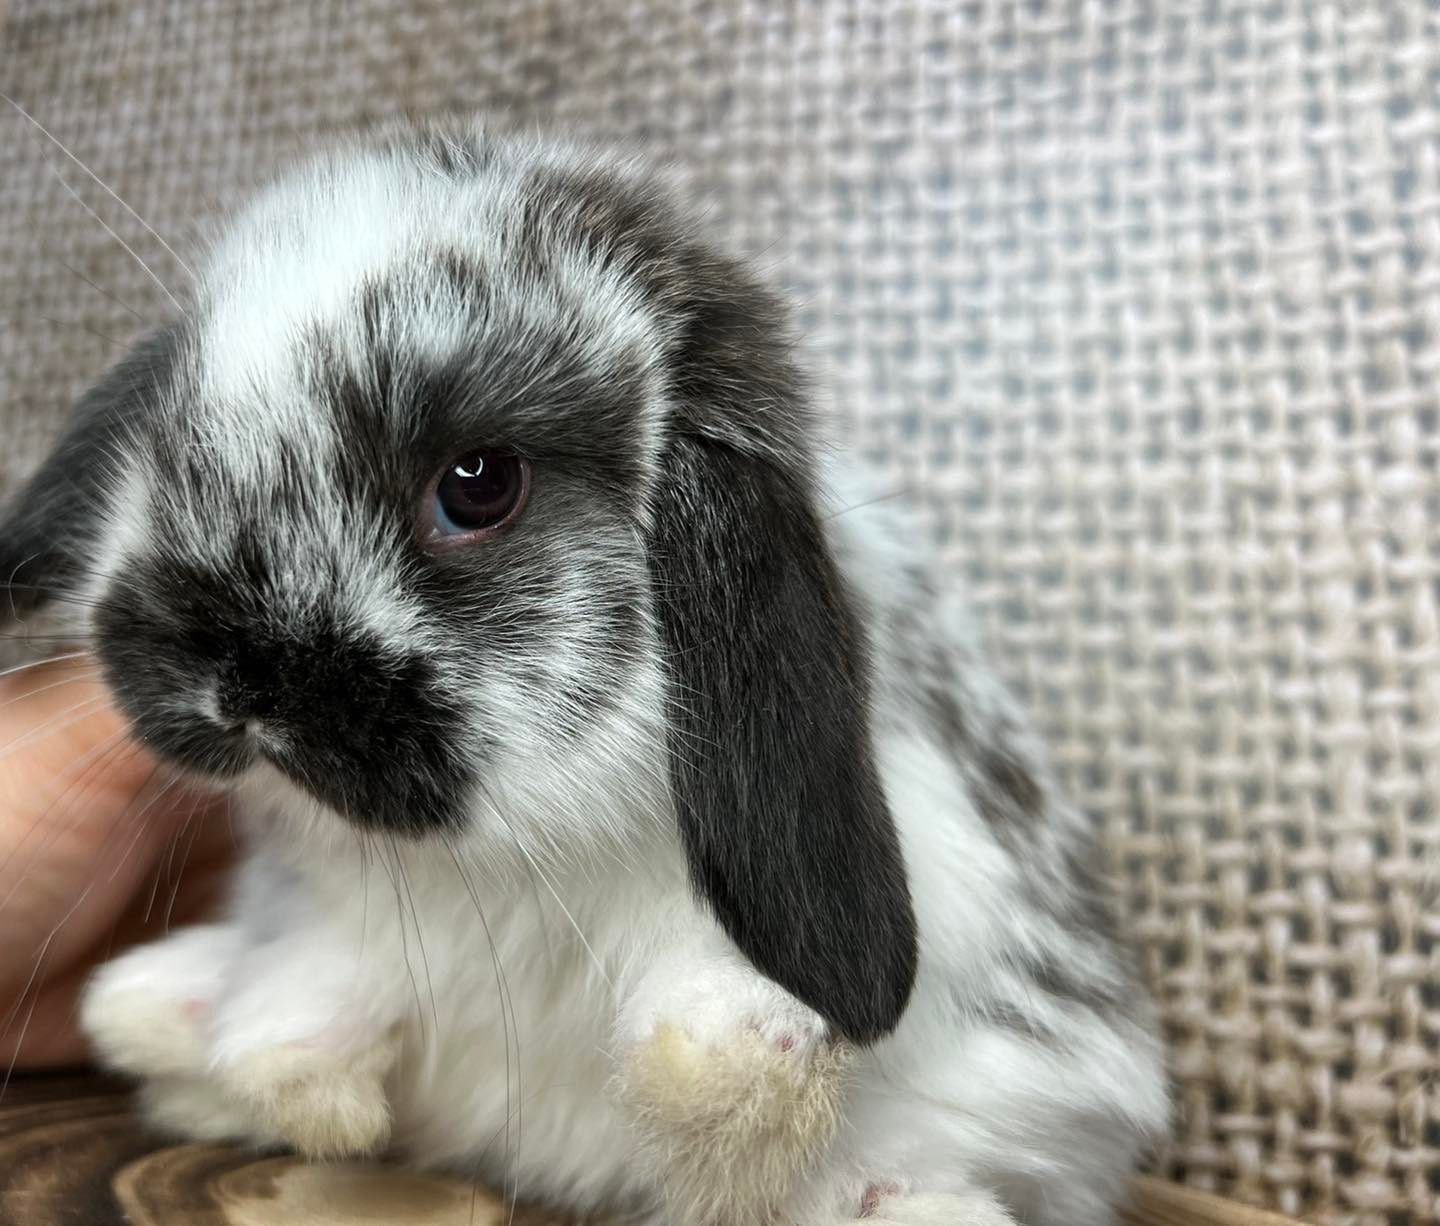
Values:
[(407, 295)]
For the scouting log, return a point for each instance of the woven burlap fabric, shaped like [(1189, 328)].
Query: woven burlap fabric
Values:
[(1139, 303)]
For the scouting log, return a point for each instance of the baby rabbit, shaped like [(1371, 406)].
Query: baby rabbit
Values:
[(630, 819)]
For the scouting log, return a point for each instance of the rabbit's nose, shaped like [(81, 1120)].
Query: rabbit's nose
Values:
[(302, 682), (249, 685)]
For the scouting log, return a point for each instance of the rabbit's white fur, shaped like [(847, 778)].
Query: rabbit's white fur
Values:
[(541, 1000)]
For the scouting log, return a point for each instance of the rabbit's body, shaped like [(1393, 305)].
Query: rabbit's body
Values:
[(517, 969)]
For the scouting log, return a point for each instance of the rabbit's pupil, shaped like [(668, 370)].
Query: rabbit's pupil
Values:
[(479, 490)]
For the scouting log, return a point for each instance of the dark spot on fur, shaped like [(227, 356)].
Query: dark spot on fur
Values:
[(1017, 1021), (932, 670), (1089, 905), (365, 405), (1085, 989), (610, 221), (1012, 791), (1004, 1014), (1004, 786), (372, 309), (532, 237), (943, 707), (463, 275)]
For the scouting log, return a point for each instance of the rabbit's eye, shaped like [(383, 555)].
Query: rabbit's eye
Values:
[(476, 496)]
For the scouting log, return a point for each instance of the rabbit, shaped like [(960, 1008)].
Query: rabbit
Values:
[(630, 817)]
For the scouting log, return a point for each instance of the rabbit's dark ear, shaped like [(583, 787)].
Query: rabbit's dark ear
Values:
[(781, 810), (48, 529)]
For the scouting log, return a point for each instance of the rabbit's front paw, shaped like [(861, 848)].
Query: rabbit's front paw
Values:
[(324, 1102), (735, 1089), (724, 1005), (147, 1012)]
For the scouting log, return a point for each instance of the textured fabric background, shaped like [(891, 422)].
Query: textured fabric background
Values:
[(1140, 302)]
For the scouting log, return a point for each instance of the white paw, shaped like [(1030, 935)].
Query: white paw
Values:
[(140, 1032), (724, 1003), (735, 1091), (147, 1012), (325, 1103)]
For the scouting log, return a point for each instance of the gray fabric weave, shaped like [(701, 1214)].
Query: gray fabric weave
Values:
[(1139, 302)]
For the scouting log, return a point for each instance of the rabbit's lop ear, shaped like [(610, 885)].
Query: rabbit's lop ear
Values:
[(780, 806), (49, 529)]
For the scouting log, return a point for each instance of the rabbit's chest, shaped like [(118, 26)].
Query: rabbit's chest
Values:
[(506, 1062)]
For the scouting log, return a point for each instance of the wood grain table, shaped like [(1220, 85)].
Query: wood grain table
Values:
[(72, 1152)]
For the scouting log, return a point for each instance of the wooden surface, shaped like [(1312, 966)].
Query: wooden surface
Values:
[(71, 1152), (1158, 1203)]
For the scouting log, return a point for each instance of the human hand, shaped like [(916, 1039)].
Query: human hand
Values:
[(101, 847)]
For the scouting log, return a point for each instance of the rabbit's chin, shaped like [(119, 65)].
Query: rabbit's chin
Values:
[(270, 800)]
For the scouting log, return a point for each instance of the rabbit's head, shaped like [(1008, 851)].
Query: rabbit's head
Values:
[(469, 462)]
